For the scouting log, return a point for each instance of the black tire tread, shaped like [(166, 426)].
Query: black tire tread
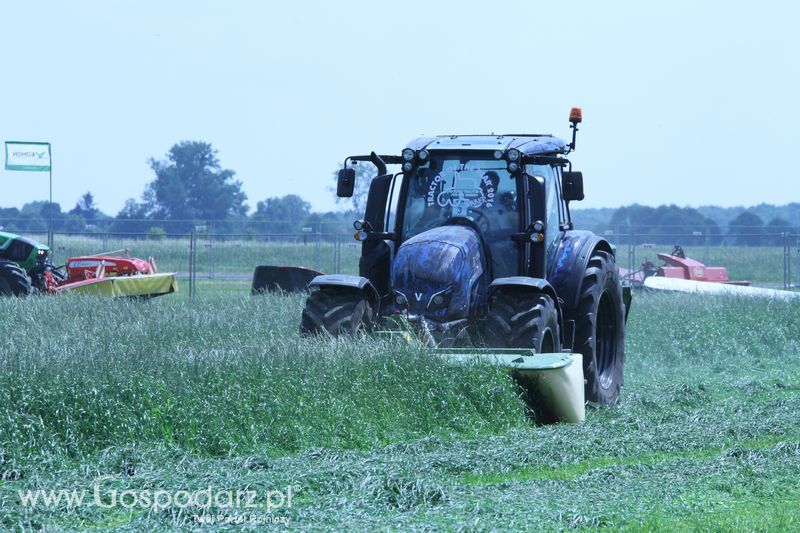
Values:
[(517, 320), (15, 278), (333, 312), (601, 265)]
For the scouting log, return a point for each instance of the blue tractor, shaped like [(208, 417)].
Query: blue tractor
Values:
[(472, 243)]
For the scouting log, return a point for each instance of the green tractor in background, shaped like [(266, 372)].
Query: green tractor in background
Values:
[(23, 263)]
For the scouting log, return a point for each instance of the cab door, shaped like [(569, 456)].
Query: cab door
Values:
[(542, 204)]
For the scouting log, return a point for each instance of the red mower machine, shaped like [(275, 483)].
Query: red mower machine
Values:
[(685, 275), (678, 266), (25, 268)]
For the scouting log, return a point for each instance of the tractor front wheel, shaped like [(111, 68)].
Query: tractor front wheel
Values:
[(13, 280), (523, 320), (600, 329), (336, 312)]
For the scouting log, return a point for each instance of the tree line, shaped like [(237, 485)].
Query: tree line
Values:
[(669, 224), (191, 191)]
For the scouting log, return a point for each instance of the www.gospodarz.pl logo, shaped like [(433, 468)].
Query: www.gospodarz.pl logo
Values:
[(204, 499)]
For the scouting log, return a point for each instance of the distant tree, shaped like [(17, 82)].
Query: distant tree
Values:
[(335, 223), (594, 219), (85, 207), (747, 229), (280, 215), (132, 218), (775, 229), (666, 224), (71, 223), (365, 172), (191, 185), (41, 208), (10, 218), (779, 224), (633, 215), (36, 216)]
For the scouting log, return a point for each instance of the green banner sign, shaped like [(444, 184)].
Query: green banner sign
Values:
[(33, 156)]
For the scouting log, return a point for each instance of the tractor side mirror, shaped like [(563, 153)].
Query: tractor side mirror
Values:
[(572, 186), (346, 183)]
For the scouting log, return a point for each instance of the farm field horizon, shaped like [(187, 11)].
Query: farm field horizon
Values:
[(222, 392), (226, 259)]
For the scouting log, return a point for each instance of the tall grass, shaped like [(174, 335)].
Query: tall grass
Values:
[(221, 392), (222, 375)]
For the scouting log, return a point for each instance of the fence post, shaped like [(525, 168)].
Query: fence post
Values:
[(192, 263), (631, 250), (339, 244), (212, 256), (335, 254), (797, 244), (319, 247), (787, 258)]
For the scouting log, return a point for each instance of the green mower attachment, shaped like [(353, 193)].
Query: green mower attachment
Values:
[(553, 383)]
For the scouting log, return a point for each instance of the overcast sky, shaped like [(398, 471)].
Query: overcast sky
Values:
[(684, 102)]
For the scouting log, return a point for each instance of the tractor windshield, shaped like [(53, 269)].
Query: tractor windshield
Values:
[(480, 190)]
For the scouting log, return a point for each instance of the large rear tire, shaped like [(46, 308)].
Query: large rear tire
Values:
[(524, 319), (13, 280), (336, 312), (600, 329)]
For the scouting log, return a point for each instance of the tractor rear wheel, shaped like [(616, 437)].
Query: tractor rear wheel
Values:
[(523, 320), (600, 329), (13, 280), (336, 312)]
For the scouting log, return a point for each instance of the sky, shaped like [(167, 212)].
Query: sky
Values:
[(684, 102)]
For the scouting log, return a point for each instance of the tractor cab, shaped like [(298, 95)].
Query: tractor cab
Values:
[(502, 200), (456, 185)]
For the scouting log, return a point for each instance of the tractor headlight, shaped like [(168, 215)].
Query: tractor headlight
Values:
[(408, 166), (512, 155), (513, 167), (439, 300), (400, 299), (408, 154), (423, 155), (498, 154)]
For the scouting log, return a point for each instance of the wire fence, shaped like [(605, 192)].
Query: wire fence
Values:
[(202, 260), (205, 261)]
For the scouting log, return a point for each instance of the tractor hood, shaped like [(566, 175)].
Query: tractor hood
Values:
[(25, 252), (441, 273)]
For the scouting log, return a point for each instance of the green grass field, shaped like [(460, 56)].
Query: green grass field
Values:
[(220, 392)]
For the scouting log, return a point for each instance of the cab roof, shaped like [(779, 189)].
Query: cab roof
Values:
[(528, 144)]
